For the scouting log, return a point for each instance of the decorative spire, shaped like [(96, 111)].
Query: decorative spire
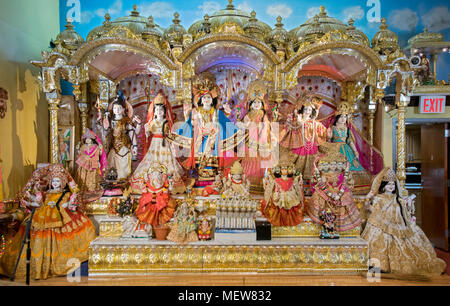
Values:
[(69, 25), (176, 20), (134, 12), (230, 5), (150, 22), (253, 16), (107, 21), (383, 25), (279, 22), (322, 13), (351, 22)]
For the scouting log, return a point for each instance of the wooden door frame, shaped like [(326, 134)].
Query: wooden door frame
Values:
[(410, 121)]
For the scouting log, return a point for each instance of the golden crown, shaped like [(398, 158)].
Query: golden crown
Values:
[(236, 168), (390, 176), (157, 167), (257, 89), (344, 108), (331, 153)]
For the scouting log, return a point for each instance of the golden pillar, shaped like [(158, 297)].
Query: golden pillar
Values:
[(53, 99), (80, 92), (402, 102)]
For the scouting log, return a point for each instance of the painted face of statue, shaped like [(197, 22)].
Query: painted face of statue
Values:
[(207, 102), (118, 111), (284, 171), (307, 112), (333, 166), (56, 183), (343, 119), (257, 104), (159, 112), (237, 177), (390, 187), (156, 178), (88, 141)]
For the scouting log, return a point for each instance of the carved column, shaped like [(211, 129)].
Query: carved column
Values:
[(82, 106), (402, 102), (53, 99)]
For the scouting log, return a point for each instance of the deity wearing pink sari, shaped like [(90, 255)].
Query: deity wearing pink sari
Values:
[(259, 155), (91, 162), (303, 134)]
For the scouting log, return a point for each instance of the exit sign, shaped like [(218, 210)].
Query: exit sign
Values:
[(432, 105)]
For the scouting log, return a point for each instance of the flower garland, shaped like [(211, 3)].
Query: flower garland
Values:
[(3, 248), (325, 186)]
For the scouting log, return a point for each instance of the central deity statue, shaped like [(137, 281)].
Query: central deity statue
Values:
[(208, 136)]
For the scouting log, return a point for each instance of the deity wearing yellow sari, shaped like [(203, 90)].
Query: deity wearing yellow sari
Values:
[(59, 232)]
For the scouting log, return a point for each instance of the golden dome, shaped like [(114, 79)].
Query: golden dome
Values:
[(101, 30), (256, 28), (318, 25), (228, 15), (279, 36), (425, 37), (174, 33), (69, 38), (134, 22), (384, 39), (151, 33), (356, 34)]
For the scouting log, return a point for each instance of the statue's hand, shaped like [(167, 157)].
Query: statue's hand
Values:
[(134, 151)]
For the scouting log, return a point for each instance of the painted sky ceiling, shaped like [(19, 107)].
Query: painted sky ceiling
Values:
[(405, 17)]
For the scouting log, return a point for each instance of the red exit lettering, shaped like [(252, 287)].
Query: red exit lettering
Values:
[(433, 105)]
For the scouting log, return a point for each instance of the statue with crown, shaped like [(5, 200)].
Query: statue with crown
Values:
[(331, 191), (208, 138), (158, 126), (342, 132), (120, 129)]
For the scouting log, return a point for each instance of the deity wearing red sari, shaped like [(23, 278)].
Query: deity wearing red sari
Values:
[(156, 206)]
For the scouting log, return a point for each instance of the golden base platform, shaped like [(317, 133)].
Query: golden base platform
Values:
[(109, 257)]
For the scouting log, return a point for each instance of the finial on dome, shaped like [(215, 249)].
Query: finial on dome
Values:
[(176, 20), (134, 12), (322, 11), (230, 5), (383, 25), (351, 22)]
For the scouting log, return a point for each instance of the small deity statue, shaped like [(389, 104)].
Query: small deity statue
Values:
[(341, 132), (236, 183), (91, 162), (216, 187), (58, 230), (303, 134), (122, 130), (204, 229), (157, 128), (397, 243), (259, 143), (184, 228), (283, 200), (208, 135), (156, 206), (327, 219), (330, 190)]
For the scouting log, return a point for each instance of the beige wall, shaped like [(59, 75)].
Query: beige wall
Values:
[(412, 113), (26, 28)]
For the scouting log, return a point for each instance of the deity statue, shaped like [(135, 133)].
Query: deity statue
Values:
[(341, 132), (330, 190), (59, 231), (204, 229), (184, 228), (91, 162), (156, 206), (328, 219), (397, 243), (259, 143), (157, 128), (236, 184), (283, 200), (303, 134), (122, 130), (208, 135)]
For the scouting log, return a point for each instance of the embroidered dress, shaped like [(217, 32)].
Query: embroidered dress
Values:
[(303, 140), (258, 150), (57, 236), (283, 202), (156, 206), (161, 154), (345, 209), (398, 244), (119, 155)]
